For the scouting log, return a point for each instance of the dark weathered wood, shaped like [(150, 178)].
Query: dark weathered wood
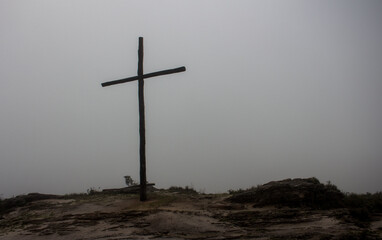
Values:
[(142, 130), (164, 72), (148, 75)]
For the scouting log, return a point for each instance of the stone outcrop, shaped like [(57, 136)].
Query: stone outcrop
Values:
[(308, 192)]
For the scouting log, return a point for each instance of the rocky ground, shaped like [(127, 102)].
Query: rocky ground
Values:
[(178, 215)]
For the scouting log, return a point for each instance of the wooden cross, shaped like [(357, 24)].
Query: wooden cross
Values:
[(142, 132)]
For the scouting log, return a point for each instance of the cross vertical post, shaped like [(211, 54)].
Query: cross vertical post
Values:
[(142, 131)]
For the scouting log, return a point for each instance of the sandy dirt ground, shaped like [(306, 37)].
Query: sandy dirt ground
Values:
[(169, 215)]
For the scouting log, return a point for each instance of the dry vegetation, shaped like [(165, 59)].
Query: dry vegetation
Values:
[(288, 209)]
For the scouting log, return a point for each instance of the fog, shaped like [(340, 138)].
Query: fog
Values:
[(273, 90)]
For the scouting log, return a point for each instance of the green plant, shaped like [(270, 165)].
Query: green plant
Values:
[(240, 190), (308, 192), (331, 186), (9, 204), (130, 181), (362, 206), (93, 191), (232, 191), (187, 190)]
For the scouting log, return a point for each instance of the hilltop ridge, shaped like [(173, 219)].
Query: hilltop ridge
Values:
[(286, 209)]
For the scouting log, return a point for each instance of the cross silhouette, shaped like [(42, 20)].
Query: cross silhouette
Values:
[(142, 131)]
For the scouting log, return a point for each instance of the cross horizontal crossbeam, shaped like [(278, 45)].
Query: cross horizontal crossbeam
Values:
[(148, 75)]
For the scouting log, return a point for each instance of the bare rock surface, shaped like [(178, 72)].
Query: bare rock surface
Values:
[(177, 215)]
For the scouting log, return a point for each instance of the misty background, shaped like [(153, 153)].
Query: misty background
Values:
[(273, 90)]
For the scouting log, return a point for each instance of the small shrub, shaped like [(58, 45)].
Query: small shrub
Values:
[(240, 190), (9, 204), (331, 186), (231, 191), (308, 192), (187, 190), (92, 191), (130, 181), (361, 214), (363, 206), (373, 202)]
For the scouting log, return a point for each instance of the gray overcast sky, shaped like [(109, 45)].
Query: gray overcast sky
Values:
[(273, 90)]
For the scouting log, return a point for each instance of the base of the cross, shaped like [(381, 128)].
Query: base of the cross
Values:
[(132, 189)]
